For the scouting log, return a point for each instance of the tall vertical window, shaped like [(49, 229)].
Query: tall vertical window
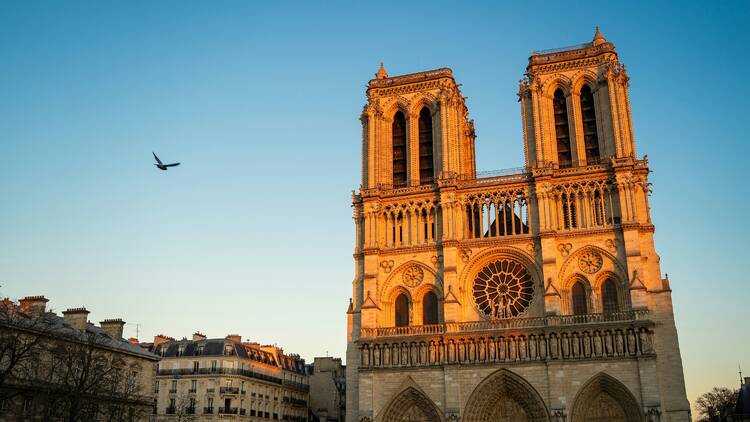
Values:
[(399, 149), (588, 115), (426, 166), (609, 296), (430, 309), (580, 306), (562, 132), (402, 311)]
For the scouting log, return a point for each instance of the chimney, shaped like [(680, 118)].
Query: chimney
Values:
[(113, 327), (160, 339), (76, 318), (35, 306), (198, 336), (235, 338), (133, 340)]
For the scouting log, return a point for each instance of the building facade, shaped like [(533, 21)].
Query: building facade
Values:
[(227, 379), (55, 368), (327, 389), (525, 295)]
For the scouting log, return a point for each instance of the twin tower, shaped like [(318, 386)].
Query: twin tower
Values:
[(533, 295)]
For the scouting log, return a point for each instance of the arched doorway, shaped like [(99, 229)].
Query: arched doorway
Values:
[(604, 399), (411, 405), (505, 397)]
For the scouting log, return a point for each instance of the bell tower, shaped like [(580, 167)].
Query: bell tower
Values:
[(575, 106), (415, 130)]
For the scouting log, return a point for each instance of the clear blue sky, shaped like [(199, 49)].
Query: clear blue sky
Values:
[(260, 102)]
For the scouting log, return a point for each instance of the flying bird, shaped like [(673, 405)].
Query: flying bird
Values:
[(161, 165)]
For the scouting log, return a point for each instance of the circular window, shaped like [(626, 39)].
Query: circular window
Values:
[(503, 289)]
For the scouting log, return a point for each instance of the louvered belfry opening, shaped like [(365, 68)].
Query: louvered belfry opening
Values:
[(590, 135), (402, 311), (579, 299), (562, 131), (399, 149), (609, 296), (430, 309), (426, 166)]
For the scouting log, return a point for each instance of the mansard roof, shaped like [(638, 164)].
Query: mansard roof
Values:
[(55, 327), (217, 347)]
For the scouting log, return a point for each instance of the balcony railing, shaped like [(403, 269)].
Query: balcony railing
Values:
[(500, 324), (208, 410), (229, 390), (171, 411), (223, 371), (228, 410), (242, 412)]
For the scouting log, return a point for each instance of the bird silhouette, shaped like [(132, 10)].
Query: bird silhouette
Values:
[(161, 165)]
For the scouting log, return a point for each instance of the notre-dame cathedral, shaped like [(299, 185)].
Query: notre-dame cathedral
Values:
[(526, 295)]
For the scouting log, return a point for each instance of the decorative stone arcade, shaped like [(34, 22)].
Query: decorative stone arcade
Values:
[(527, 295)]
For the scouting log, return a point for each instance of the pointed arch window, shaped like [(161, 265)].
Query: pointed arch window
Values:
[(562, 131), (398, 132), (402, 311), (426, 163), (578, 293), (609, 297), (430, 309), (590, 135)]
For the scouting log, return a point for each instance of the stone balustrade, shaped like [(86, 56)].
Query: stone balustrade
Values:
[(595, 336)]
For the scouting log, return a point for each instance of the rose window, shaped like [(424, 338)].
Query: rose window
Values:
[(503, 289)]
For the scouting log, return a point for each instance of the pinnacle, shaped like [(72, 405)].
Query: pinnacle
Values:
[(382, 74), (598, 37)]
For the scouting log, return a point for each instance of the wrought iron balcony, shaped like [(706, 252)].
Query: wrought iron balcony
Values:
[(208, 410), (229, 390), (228, 410)]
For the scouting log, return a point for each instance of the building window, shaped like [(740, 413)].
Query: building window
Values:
[(562, 132), (609, 296), (430, 308), (196, 365), (580, 306), (590, 135), (193, 386), (398, 130), (426, 164), (213, 365), (402, 311)]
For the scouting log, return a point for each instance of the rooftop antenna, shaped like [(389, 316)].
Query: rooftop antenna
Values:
[(137, 330)]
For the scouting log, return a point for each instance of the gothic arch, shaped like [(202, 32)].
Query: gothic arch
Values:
[(584, 77), (560, 81), (399, 104), (505, 396), (424, 99), (410, 404), (609, 264), (566, 291), (430, 278), (605, 399)]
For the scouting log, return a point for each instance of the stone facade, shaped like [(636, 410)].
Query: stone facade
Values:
[(227, 379), (327, 389), (532, 294), (64, 368)]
